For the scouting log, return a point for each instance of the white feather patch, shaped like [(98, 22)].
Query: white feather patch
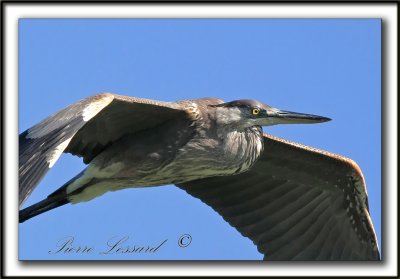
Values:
[(94, 172), (95, 107), (92, 192), (56, 153)]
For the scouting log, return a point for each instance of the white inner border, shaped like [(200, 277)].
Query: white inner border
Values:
[(13, 12)]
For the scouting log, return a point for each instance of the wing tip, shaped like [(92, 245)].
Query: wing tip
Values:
[(371, 225)]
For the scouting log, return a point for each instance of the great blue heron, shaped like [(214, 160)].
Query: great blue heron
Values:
[(294, 202)]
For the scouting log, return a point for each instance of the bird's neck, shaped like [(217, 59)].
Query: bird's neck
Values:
[(243, 136), (229, 119), (244, 146)]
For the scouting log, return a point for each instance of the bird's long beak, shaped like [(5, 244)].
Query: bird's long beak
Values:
[(278, 116)]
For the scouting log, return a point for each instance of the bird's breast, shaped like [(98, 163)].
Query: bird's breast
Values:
[(207, 157)]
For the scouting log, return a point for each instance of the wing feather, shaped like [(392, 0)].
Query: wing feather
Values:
[(84, 129), (296, 203)]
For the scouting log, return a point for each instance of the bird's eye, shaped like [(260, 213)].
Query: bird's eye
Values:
[(255, 111)]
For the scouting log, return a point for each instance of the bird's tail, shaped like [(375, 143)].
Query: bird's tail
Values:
[(45, 205)]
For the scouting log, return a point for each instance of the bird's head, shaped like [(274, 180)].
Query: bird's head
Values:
[(248, 113)]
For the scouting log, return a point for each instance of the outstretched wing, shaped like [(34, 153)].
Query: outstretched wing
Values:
[(84, 129), (296, 203)]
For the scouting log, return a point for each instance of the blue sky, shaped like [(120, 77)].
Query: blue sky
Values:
[(329, 67)]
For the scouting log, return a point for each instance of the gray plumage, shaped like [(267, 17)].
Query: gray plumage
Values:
[(294, 202)]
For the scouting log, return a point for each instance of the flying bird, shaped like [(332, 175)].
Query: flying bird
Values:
[(293, 201)]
